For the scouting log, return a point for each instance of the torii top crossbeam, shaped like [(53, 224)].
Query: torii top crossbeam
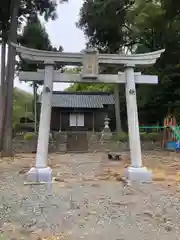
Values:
[(40, 56)]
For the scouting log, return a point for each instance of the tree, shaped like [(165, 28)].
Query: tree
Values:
[(157, 26), (104, 23), (11, 10), (12, 37), (87, 87), (34, 35), (3, 26), (144, 26)]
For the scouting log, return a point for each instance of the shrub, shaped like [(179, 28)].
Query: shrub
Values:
[(154, 130), (123, 137), (153, 136), (144, 136), (142, 130), (29, 136)]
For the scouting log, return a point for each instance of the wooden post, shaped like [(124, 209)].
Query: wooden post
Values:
[(117, 109), (93, 121), (60, 122)]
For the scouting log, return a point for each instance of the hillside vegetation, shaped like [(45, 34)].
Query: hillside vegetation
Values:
[(22, 105)]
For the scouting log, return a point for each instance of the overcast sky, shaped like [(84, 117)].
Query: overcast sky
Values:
[(63, 32)]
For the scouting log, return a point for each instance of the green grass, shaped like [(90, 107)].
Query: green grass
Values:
[(144, 136)]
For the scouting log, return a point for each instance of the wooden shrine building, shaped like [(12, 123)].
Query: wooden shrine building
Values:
[(81, 111)]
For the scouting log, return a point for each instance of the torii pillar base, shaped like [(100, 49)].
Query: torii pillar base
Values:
[(140, 174), (39, 175)]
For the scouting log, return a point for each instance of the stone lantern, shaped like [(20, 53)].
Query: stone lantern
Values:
[(106, 133)]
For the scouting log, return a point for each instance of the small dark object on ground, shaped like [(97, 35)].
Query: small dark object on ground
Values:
[(114, 156), (24, 170), (58, 179)]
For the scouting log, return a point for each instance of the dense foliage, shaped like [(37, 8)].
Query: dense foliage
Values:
[(34, 35), (103, 23), (139, 27)]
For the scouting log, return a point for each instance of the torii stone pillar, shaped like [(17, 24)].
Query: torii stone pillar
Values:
[(135, 172), (41, 172)]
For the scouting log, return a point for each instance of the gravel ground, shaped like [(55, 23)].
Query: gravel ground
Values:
[(81, 206)]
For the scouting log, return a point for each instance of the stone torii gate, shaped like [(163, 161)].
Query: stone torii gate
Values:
[(90, 60)]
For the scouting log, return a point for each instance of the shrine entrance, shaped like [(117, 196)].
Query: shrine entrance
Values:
[(77, 142), (90, 60)]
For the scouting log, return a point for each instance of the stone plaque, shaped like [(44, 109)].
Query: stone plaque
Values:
[(90, 64)]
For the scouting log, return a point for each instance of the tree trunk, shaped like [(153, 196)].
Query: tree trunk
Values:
[(2, 85), (7, 142)]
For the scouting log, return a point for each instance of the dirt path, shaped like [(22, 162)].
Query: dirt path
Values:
[(81, 206)]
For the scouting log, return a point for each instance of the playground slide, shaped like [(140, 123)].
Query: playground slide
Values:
[(176, 131), (172, 139)]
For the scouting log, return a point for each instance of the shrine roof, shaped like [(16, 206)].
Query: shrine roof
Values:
[(82, 99)]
